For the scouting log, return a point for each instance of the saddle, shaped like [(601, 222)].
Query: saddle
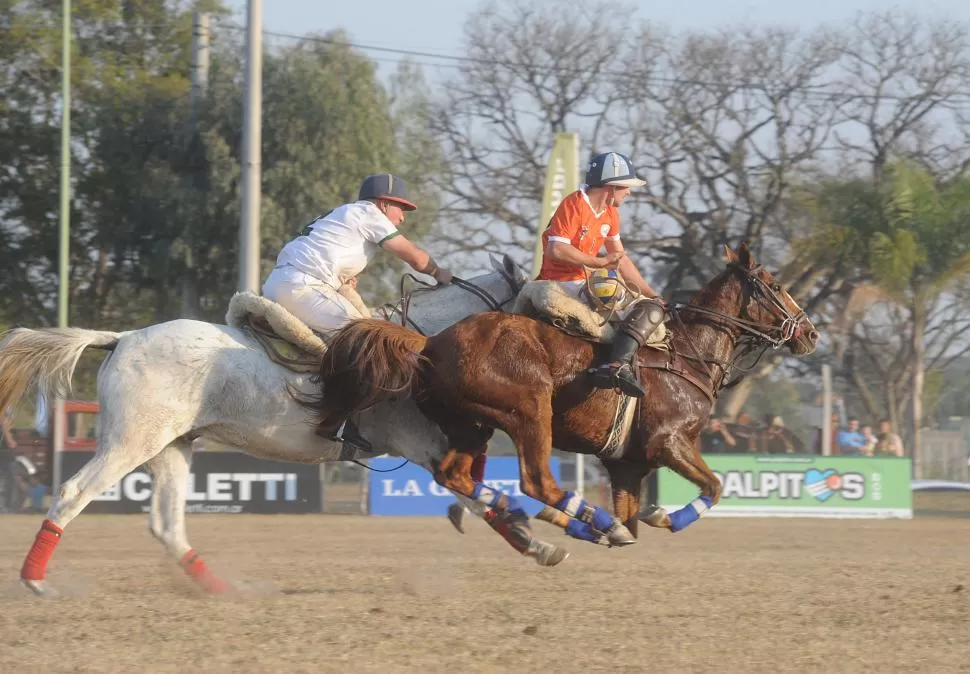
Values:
[(547, 301), (287, 340)]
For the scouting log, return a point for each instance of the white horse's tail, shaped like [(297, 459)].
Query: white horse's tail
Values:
[(45, 359)]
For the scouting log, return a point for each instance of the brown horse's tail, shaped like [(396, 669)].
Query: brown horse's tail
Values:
[(367, 362)]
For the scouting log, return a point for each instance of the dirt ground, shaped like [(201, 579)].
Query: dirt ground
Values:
[(357, 594)]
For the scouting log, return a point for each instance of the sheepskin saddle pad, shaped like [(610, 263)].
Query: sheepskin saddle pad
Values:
[(287, 340), (550, 302)]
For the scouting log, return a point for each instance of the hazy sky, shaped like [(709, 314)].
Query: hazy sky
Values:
[(435, 25)]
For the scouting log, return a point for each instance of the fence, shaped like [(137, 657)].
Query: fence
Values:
[(944, 456)]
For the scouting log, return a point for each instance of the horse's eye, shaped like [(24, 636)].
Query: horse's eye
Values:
[(776, 287)]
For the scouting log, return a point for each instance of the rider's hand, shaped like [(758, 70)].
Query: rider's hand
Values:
[(443, 277), (611, 259)]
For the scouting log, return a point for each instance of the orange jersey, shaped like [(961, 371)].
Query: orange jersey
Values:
[(576, 224)]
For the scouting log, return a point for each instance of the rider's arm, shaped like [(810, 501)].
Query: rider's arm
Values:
[(629, 270), (566, 253), (419, 260)]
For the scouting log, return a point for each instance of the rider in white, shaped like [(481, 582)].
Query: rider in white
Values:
[(333, 249), (336, 247)]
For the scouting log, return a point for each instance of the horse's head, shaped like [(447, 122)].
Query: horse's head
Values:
[(766, 303), (430, 310)]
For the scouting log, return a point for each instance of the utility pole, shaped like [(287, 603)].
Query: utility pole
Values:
[(200, 63), (64, 246), (199, 78), (252, 138), (826, 410)]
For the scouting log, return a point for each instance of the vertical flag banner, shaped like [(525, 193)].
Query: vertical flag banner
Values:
[(562, 178)]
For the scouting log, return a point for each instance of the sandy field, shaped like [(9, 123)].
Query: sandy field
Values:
[(357, 594)]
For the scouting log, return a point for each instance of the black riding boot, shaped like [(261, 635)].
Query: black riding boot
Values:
[(618, 373), (633, 333)]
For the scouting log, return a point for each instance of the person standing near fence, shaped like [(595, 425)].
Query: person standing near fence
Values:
[(888, 443)]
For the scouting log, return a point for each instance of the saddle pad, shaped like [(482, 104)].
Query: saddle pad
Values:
[(549, 301)]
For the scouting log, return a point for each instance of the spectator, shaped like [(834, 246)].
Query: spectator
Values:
[(716, 439), (744, 432), (869, 440), (850, 440), (776, 436), (888, 443)]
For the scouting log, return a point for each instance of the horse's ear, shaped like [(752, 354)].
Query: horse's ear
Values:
[(745, 258), (729, 255), (509, 265)]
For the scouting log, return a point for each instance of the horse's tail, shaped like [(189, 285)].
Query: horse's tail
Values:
[(44, 359), (367, 362)]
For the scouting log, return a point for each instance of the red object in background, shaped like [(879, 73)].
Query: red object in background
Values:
[(81, 435)]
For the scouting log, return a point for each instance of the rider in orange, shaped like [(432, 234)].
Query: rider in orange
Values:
[(584, 222)]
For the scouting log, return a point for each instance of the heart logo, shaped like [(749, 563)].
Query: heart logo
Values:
[(821, 484)]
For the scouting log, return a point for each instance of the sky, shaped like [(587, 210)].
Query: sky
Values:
[(436, 25)]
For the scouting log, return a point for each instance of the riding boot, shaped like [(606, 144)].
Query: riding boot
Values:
[(632, 333)]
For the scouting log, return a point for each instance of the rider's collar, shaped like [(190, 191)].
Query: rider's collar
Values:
[(583, 188)]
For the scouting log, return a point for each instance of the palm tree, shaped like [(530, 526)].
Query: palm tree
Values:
[(910, 234)]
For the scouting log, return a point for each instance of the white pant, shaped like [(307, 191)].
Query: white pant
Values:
[(311, 300), (575, 289)]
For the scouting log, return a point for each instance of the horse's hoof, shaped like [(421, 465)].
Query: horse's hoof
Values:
[(456, 515), (547, 554), (39, 587), (655, 516), (619, 535)]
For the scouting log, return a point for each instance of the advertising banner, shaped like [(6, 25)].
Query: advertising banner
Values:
[(412, 491), (220, 482), (562, 179), (800, 486)]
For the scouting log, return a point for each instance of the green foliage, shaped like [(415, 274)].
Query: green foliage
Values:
[(155, 207), (908, 234)]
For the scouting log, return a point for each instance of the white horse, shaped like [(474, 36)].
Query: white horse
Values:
[(167, 384)]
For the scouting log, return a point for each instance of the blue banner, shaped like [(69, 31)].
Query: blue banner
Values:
[(413, 491)]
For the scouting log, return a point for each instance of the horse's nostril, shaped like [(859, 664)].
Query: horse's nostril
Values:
[(813, 335)]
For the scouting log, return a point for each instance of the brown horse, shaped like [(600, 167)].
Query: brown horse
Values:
[(529, 379)]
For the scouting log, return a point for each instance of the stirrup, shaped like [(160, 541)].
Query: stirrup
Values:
[(609, 376), (348, 435)]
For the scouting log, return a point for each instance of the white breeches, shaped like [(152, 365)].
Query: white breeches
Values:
[(576, 288), (314, 302)]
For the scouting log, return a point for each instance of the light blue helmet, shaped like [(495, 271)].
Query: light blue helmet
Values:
[(612, 168)]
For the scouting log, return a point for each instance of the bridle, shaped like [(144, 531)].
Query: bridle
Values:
[(776, 335), (402, 308)]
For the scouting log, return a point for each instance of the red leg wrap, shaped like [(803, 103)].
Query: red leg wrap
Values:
[(35, 565), (196, 568), (478, 468)]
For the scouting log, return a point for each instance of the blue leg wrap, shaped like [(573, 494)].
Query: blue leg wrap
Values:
[(582, 531), (689, 514), (579, 509), (487, 495)]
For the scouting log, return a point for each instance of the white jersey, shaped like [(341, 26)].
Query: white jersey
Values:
[(339, 244)]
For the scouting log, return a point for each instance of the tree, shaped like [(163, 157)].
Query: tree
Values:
[(729, 126), (908, 232), (155, 208)]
